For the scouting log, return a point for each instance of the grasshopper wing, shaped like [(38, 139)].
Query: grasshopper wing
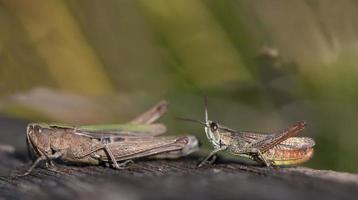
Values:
[(140, 126), (152, 114), (273, 140), (247, 136), (266, 141), (114, 132), (119, 132), (160, 147), (296, 143)]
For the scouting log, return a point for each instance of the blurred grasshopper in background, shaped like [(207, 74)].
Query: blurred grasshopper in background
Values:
[(96, 144), (278, 149)]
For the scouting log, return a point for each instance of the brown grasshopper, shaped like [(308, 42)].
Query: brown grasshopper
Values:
[(277, 149), (95, 144)]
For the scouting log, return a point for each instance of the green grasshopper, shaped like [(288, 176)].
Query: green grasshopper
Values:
[(278, 149), (113, 143)]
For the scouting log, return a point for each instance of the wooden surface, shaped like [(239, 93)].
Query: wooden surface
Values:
[(164, 179)]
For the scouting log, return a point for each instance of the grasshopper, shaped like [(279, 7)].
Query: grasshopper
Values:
[(109, 144), (276, 149)]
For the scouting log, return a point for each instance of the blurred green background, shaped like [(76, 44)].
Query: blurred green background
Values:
[(263, 65)]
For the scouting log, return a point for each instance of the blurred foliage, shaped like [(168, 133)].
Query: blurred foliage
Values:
[(263, 64)]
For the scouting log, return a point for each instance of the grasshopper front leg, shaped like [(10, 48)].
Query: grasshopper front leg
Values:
[(49, 158), (210, 155)]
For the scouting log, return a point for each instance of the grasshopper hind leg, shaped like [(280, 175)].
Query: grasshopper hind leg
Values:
[(111, 156), (115, 164), (125, 164), (260, 157), (121, 165)]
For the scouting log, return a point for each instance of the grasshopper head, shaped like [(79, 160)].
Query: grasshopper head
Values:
[(212, 133), (37, 139), (211, 128)]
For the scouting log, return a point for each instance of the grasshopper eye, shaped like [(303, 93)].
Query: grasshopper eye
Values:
[(213, 126), (36, 129)]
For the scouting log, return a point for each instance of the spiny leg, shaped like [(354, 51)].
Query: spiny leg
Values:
[(262, 157), (41, 158), (122, 165), (97, 148), (37, 161), (111, 156), (125, 164), (212, 160), (209, 156), (50, 164)]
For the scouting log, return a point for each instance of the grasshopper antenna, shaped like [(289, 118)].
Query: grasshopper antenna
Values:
[(191, 120), (206, 109)]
